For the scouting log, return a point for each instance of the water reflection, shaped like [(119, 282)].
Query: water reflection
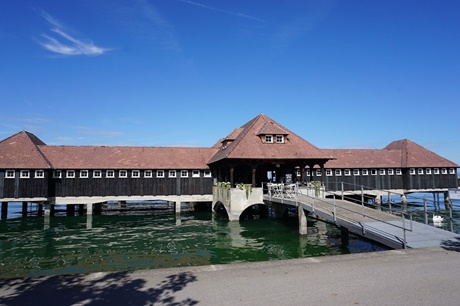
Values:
[(62, 245)]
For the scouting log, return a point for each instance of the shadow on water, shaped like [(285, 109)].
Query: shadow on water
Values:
[(451, 245), (109, 289)]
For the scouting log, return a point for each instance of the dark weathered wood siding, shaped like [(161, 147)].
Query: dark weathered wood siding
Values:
[(405, 180), (129, 186), (18, 187)]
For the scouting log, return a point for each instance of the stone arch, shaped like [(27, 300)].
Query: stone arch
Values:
[(261, 210), (220, 208)]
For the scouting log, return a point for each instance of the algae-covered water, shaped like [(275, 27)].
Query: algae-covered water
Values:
[(146, 240)]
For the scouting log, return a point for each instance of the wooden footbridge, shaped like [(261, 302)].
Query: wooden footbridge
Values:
[(387, 228)]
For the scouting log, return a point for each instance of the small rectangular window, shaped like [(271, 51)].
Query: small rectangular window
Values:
[(268, 138), (57, 174), (452, 170), (160, 173), (183, 173), (10, 174), (412, 171), (195, 173), (123, 174), (398, 172), (39, 174), (338, 172), (364, 172), (97, 173), (328, 172), (382, 171), (70, 174), (84, 173), (297, 173), (391, 172), (420, 171), (135, 174), (110, 174), (443, 171), (172, 173), (373, 171), (148, 173), (436, 170), (355, 172), (207, 173), (307, 172), (347, 172), (24, 174), (279, 139), (318, 172), (428, 170)]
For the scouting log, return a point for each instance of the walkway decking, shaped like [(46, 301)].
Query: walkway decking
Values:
[(380, 226)]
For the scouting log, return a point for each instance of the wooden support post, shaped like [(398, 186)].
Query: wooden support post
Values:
[(40, 210), (24, 209), (81, 209), (302, 221), (4, 210), (70, 210)]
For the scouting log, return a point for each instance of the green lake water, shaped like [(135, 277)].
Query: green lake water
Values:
[(147, 240)]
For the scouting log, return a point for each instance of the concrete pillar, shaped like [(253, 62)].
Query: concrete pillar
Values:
[(177, 207), (4, 210), (89, 221), (403, 199), (70, 210), (89, 209), (302, 221), (24, 209), (47, 216)]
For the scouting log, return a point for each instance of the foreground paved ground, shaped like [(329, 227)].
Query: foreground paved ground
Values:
[(402, 277)]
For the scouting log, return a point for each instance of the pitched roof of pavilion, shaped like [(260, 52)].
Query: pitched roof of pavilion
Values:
[(414, 155), (125, 157), (398, 154), (248, 144), (363, 158), (20, 151)]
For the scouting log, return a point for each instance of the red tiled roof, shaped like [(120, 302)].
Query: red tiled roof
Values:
[(20, 151), (414, 155), (363, 158), (270, 128), (117, 157), (249, 145)]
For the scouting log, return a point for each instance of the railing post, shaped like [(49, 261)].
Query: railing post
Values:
[(342, 189), (404, 232), (389, 201), (334, 213), (425, 209), (362, 200)]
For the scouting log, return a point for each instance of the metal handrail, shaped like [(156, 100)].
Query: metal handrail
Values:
[(363, 214)]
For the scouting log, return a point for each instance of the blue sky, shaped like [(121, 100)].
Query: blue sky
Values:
[(341, 74)]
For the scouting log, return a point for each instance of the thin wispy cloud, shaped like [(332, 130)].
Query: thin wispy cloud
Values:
[(237, 14), (63, 43)]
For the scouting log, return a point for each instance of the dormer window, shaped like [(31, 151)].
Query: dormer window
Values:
[(279, 139), (269, 138)]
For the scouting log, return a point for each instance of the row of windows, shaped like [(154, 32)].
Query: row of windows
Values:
[(25, 174), (276, 138), (412, 171), (110, 173)]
